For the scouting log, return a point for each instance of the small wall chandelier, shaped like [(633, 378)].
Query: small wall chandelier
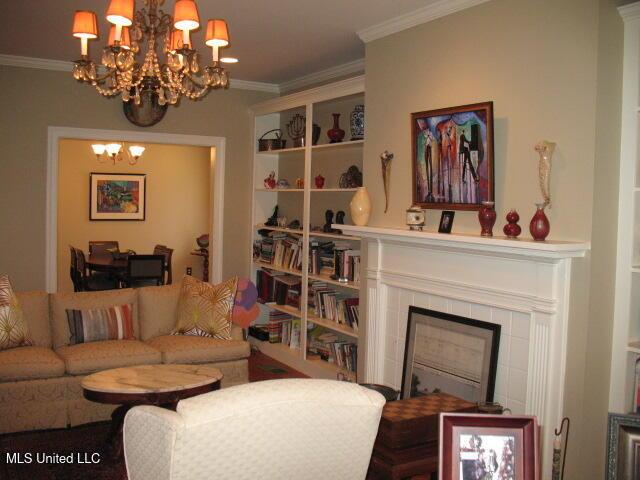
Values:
[(180, 75), (114, 151)]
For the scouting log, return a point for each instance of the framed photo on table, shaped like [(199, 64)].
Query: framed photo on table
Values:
[(117, 196), (446, 221), (452, 161), (623, 450), (478, 446)]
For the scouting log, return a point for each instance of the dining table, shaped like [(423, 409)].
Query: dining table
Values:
[(106, 263)]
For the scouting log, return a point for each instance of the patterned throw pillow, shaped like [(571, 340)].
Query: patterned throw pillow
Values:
[(205, 309), (96, 324), (14, 331)]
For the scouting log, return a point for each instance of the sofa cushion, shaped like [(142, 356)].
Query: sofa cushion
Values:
[(96, 324), (14, 331), (205, 309), (29, 363), (157, 308), (194, 349), (61, 302), (95, 356), (35, 306)]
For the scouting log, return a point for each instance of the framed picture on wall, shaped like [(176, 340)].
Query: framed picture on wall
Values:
[(117, 196), (474, 446), (453, 157)]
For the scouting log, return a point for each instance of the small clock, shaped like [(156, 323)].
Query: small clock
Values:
[(415, 218)]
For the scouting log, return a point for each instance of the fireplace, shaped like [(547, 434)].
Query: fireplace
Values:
[(521, 285)]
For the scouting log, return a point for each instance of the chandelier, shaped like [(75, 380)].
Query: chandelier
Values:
[(114, 151), (151, 28)]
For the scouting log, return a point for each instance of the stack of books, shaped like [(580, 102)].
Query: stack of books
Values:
[(328, 346), (347, 265), (276, 319), (280, 250), (326, 302), (266, 284)]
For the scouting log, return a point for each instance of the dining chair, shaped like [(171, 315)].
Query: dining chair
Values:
[(91, 282), (100, 247), (168, 253), (73, 270), (145, 270)]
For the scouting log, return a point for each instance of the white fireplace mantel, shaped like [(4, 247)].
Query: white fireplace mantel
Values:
[(523, 285)]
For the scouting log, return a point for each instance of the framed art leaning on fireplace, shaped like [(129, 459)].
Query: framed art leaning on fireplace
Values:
[(449, 353)]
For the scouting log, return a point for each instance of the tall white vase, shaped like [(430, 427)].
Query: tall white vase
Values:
[(361, 207)]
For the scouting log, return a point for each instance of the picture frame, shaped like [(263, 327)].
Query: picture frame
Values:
[(434, 360), (452, 157), (473, 444), (117, 196), (623, 448), (446, 221)]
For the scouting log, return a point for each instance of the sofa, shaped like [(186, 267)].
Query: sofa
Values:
[(303, 429), (40, 385)]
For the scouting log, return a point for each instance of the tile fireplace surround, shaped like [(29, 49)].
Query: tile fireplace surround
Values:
[(520, 284)]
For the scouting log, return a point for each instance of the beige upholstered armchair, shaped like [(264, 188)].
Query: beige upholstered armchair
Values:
[(299, 429)]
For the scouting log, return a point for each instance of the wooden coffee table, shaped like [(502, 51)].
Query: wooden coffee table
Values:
[(161, 385)]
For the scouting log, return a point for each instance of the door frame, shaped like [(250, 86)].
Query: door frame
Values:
[(215, 144)]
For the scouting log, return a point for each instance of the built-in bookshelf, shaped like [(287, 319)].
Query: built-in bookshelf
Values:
[(625, 382), (313, 327)]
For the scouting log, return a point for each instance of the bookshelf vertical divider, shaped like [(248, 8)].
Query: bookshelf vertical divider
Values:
[(314, 105)]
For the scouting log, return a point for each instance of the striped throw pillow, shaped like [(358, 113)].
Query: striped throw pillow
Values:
[(93, 325)]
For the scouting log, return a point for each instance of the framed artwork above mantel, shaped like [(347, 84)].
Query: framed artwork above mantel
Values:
[(117, 196), (452, 157)]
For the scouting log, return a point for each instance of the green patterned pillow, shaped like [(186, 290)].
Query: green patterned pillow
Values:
[(13, 328), (205, 309)]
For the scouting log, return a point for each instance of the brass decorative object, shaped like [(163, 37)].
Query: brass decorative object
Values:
[(385, 159), (296, 130)]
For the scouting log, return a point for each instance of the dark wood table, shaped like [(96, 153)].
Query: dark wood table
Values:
[(106, 263), (160, 385)]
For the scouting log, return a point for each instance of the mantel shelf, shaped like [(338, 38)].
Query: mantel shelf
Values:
[(500, 246)]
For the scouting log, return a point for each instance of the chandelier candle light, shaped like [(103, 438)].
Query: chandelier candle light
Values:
[(180, 75)]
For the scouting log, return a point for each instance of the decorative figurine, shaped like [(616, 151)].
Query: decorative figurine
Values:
[(299, 183), (512, 229), (283, 183), (272, 221), (282, 222), (295, 225), (270, 181), (385, 159), (352, 178), (545, 150), (339, 220), (487, 218), (357, 123), (319, 180), (296, 129), (328, 217), (336, 134), (415, 218)]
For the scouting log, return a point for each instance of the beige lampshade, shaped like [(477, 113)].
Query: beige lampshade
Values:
[(217, 33), (125, 37), (120, 12), (185, 15), (85, 24)]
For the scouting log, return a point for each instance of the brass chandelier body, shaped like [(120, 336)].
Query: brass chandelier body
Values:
[(180, 75)]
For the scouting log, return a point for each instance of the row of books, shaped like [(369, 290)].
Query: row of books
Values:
[(279, 249), (283, 328), (329, 347), (326, 302), (321, 258), (347, 265), (278, 287)]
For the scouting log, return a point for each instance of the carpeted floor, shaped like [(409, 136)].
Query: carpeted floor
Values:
[(86, 440)]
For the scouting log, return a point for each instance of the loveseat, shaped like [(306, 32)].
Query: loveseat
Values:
[(40, 384)]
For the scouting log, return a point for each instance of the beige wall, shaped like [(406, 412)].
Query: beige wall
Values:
[(178, 206), (34, 99), (552, 70)]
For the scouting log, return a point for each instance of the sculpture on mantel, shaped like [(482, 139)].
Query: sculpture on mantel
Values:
[(386, 158), (539, 226)]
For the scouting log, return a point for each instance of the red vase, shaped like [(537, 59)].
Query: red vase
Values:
[(512, 229), (487, 218), (336, 134), (539, 226)]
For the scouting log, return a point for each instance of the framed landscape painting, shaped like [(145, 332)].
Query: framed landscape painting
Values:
[(453, 157), (117, 196)]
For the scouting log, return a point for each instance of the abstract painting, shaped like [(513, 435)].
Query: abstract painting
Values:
[(453, 157), (117, 196)]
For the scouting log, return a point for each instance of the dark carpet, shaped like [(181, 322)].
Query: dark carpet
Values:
[(81, 444)]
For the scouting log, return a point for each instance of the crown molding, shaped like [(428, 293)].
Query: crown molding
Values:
[(64, 66), (332, 73), (630, 12), (438, 9)]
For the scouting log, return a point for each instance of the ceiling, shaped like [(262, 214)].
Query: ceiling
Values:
[(275, 40)]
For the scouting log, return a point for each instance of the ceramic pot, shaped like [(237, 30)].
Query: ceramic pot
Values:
[(357, 123), (512, 229), (360, 207), (539, 226), (336, 134), (487, 218), (319, 180)]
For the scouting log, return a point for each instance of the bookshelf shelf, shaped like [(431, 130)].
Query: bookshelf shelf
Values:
[(307, 249)]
